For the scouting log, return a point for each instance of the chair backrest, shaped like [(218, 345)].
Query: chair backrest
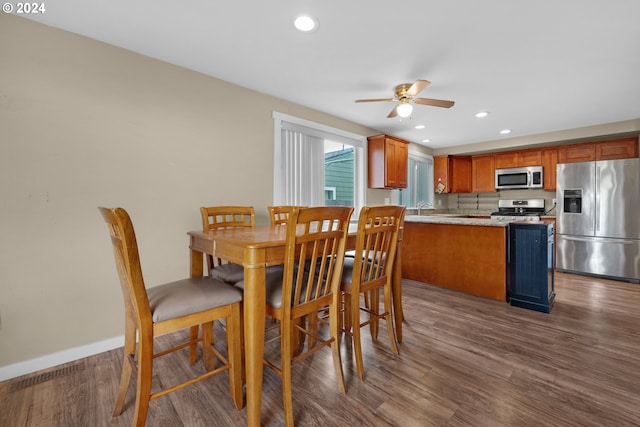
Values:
[(376, 241), (314, 257), (227, 217), (280, 214), (125, 250)]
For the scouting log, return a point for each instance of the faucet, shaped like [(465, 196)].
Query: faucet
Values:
[(420, 205)]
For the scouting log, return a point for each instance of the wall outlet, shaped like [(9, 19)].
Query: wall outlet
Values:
[(554, 201)]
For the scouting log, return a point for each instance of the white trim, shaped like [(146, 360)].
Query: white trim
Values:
[(60, 357), (286, 118)]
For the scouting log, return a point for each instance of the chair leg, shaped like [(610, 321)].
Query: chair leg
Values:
[(207, 342), (357, 340), (389, 318), (127, 368), (285, 356), (335, 344), (347, 323), (234, 355), (375, 307), (143, 386), (193, 348)]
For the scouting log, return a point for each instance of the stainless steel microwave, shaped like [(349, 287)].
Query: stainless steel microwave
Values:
[(512, 178)]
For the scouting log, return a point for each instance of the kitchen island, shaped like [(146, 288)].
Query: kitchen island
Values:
[(460, 253)]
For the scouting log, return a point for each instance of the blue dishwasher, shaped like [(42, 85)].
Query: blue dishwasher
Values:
[(531, 265)]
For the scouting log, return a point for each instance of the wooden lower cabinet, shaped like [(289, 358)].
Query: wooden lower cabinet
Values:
[(466, 258)]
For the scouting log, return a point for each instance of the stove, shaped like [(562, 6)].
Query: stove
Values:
[(519, 210)]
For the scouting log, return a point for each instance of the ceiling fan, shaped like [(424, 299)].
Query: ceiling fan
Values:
[(406, 94)]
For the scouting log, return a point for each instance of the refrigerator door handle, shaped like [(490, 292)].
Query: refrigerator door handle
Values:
[(598, 239), (597, 199)]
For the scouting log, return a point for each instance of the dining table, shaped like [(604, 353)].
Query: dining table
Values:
[(256, 249)]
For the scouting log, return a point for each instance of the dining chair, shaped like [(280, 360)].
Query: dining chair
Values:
[(164, 309), (370, 270), (278, 215), (221, 217), (316, 238)]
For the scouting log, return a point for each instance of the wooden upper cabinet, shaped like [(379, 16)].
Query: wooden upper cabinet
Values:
[(508, 159), (530, 158), (388, 161), (549, 163), (483, 168), (584, 152), (518, 158), (453, 172), (624, 148)]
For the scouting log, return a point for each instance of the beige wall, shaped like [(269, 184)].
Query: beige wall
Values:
[(84, 124)]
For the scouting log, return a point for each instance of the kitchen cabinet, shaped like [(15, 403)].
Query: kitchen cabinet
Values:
[(531, 281), (621, 148), (585, 152), (518, 158), (388, 160), (549, 163), (483, 173), (467, 258), (452, 174), (624, 148)]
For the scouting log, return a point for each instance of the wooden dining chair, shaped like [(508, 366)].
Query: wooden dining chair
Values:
[(279, 215), (316, 238), (370, 270), (167, 308), (221, 217)]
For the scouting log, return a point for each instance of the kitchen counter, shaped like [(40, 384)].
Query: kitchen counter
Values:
[(459, 253), (456, 219)]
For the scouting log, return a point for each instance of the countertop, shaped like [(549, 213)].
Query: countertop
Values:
[(455, 219)]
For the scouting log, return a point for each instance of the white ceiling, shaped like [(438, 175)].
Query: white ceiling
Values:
[(536, 66)]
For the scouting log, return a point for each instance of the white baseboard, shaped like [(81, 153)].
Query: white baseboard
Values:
[(58, 358)]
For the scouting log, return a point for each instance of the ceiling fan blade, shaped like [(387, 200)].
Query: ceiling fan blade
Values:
[(418, 87), (375, 100), (393, 112), (434, 102)]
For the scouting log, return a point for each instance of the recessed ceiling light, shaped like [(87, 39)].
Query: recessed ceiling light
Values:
[(306, 23), (505, 131), (420, 127), (426, 140), (482, 114)]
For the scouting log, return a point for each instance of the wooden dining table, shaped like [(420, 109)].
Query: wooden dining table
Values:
[(255, 249)]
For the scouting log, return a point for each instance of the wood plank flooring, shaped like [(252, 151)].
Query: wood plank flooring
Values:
[(465, 361)]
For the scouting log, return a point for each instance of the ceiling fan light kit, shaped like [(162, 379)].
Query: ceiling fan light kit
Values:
[(404, 109), (406, 95)]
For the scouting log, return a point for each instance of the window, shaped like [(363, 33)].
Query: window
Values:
[(316, 165), (419, 191)]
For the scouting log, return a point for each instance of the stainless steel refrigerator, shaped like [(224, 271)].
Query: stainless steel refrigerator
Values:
[(598, 218)]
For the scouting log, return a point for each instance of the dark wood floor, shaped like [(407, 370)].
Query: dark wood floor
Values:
[(465, 361)]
